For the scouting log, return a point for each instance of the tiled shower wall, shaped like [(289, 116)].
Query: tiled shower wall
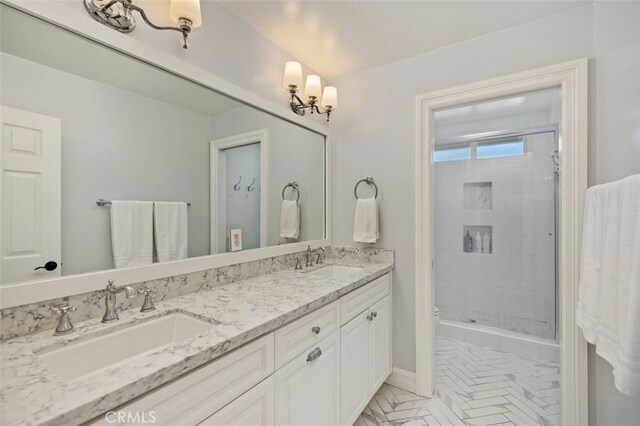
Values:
[(514, 286)]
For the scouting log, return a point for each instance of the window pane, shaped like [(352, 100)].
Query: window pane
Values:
[(450, 154), (500, 149)]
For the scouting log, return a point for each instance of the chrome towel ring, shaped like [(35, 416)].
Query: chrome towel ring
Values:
[(293, 185), (369, 181)]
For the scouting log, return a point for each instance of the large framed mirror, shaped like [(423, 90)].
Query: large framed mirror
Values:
[(110, 162)]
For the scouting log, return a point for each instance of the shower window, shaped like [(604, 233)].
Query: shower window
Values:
[(452, 153), (479, 150), (506, 148)]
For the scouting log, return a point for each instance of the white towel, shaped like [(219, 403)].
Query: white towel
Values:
[(171, 230), (608, 308), (290, 219), (132, 233), (365, 227)]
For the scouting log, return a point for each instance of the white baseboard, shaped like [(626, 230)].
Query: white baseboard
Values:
[(402, 379)]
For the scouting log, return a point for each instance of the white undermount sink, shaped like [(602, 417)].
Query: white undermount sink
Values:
[(335, 271), (91, 354)]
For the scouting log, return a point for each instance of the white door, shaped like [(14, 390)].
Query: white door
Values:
[(308, 388), (30, 196), (355, 367), (380, 315), (254, 408)]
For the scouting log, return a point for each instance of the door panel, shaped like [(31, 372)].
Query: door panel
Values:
[(355, 362), (380, 343), (308, 391), (30, 201)]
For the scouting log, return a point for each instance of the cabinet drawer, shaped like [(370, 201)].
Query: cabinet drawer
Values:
[(195, 396), (255, 408), (300, 335), (361, 299)]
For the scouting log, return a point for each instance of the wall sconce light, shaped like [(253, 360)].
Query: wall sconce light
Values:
[(312, 91), (117, 14)]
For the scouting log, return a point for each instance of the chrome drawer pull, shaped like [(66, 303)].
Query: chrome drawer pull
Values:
[(315, 330), (314, 354)]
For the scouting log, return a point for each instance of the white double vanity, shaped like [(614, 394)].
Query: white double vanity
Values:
[(283, 348)]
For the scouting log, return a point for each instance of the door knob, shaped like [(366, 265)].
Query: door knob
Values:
[(49, 266)]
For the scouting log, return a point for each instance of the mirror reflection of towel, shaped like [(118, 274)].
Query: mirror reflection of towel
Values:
[(171, 230), (290, 219), (365, 226), (132, 233)]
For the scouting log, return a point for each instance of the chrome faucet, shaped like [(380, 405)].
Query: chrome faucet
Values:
[(110, 313), (321, 253), (308, 255)]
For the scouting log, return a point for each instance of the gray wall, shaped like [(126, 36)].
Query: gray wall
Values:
[(379, 140), (295, 155), (115, 145)]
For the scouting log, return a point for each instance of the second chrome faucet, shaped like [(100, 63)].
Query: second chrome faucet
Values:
[(110, 313)]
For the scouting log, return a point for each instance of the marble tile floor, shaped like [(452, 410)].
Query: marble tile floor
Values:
[(540, 329), (474, 386)]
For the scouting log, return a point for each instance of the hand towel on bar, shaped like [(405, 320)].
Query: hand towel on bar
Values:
[(608, 308), (132, 233), (365, 227), (171, 230), (290, 219)]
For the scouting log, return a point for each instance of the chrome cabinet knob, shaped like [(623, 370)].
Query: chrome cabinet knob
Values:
[(315, 329), (372, 315)]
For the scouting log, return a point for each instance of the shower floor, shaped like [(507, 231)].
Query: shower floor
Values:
[(540, 329)]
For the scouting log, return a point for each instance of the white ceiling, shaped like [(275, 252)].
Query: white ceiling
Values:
[(341, 37)]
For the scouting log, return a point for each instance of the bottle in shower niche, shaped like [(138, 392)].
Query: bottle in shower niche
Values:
[(477, 243), (468, 243), (486, 243)]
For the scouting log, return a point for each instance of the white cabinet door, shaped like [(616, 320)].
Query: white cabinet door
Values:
[(308, 388), (30, 150), (254, 408), (355, 382), (380, 329)]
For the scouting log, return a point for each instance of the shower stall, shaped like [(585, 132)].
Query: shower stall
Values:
[(495, 210)]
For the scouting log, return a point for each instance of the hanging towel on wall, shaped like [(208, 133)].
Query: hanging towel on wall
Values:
[(365, 227), (171, 230), (132, 233), (609, 295), (290, 219)]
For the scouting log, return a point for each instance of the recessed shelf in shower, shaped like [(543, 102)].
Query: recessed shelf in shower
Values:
[(477, 239), (477, 196)]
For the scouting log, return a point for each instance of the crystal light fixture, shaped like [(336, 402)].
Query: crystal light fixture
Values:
[(327, 99)]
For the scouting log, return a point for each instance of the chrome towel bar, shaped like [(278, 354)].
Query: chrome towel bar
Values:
[(102, 202)]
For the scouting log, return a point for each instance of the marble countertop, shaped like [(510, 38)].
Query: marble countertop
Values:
[(31, 394)]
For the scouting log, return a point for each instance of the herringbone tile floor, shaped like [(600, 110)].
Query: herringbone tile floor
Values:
[(474, 386)]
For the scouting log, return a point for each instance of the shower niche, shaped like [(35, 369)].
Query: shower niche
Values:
[(477, 196), (477, 239)]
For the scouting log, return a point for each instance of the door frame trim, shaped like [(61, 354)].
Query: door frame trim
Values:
[(571, 78), (217, 145)]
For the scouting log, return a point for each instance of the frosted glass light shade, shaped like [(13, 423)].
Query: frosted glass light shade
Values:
[(313, 87), (187, 9), (292, 74), (330, 97)]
